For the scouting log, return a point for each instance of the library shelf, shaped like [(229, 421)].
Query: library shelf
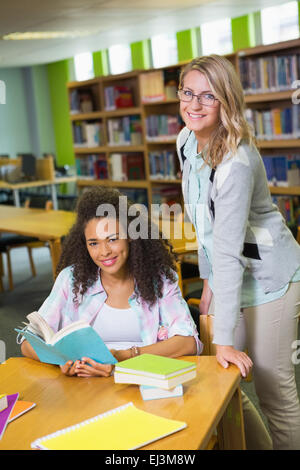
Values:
[(285, 190), (269, 48), (269, 96), (88, 150), (143, 184), (87, 116), (153, 92), (122, 112), (165, 181), (279, 144)]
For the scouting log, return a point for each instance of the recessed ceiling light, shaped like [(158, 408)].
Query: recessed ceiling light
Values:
[(44, 35)]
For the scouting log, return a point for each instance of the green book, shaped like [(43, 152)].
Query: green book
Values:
[(153, 370)]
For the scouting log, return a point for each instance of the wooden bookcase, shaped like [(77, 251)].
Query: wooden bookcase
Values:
[(153, 100)]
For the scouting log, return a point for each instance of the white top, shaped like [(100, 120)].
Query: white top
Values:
[(118, 327)]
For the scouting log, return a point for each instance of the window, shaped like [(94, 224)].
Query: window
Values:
[(280, 23), (216, 37), (84, 67), (119, 58), (164, 50)]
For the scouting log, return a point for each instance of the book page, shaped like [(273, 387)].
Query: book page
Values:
[(77, 325), (40, 327)]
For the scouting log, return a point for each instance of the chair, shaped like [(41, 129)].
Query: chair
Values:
[(9, 241)]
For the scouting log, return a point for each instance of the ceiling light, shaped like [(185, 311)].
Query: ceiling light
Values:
[(44, 35)]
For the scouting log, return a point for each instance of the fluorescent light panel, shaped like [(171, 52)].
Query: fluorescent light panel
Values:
[(44, 35)]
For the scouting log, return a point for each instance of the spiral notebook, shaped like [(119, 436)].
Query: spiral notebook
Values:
[(123, 428)]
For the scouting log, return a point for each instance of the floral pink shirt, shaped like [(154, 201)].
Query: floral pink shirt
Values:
[(168, 317)]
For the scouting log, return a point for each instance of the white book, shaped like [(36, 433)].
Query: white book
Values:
[(154, 393)]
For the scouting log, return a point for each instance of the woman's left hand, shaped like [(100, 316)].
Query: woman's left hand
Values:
[(89, 368), (228, 354)]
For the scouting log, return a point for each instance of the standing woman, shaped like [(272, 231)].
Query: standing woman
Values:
[(248, 258)]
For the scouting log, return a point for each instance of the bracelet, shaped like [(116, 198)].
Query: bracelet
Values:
[(134, 350)]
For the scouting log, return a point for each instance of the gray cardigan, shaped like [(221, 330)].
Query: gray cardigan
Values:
[(248, 231)]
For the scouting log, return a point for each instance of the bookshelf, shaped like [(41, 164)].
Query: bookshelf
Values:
[(135, 116), (268, 75)]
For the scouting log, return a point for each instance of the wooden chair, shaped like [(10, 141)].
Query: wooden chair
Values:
[(10, 241)]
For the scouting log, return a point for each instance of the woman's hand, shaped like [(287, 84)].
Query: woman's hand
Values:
[(227, 354), (89, 368), (69, 368)]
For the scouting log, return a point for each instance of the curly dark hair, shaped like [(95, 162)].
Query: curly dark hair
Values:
[(150, 260)]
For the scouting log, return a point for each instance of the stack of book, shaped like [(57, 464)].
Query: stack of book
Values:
[(116, 97), (276, 123), (126, 130), (269, 74), (126, 167), (153, 370)]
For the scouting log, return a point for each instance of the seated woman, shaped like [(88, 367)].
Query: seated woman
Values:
[(124, 286)]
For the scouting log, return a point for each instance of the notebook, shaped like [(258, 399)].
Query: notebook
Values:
[(123, 428), (154, 370), (5, 414), (20, 408), (154, 393)]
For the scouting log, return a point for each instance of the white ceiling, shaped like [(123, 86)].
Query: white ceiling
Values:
[(109, 22)]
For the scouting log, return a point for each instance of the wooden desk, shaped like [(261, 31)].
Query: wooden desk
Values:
[(209, 401), (46, 225), (15, 187)]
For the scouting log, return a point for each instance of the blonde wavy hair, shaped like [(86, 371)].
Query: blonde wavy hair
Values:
[(226, 87)]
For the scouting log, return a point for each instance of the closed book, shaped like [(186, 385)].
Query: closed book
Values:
[(155, 393), (5, 414), (20, 408), (72, 342), (123, 428), (158, 371)]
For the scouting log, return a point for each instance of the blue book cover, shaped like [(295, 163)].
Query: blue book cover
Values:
[(83, 342)]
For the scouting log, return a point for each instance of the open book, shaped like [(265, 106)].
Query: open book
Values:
[(72, 342)]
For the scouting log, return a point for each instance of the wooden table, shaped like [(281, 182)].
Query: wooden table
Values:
[(210, 401), (46, 225), (15, 187)]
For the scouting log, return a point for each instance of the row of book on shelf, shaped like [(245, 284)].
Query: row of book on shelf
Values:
[(270, 73), (120, 166), (282, 170), (117, 97), (82, 100), (159, 85), (87, 134), (276, 123), (163, 126), (163, 165), (129, 166), (126, 130)]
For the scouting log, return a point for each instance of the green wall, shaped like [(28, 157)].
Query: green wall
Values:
[(58, 76)]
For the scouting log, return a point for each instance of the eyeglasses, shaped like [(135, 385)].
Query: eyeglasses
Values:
[(207, 99)]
